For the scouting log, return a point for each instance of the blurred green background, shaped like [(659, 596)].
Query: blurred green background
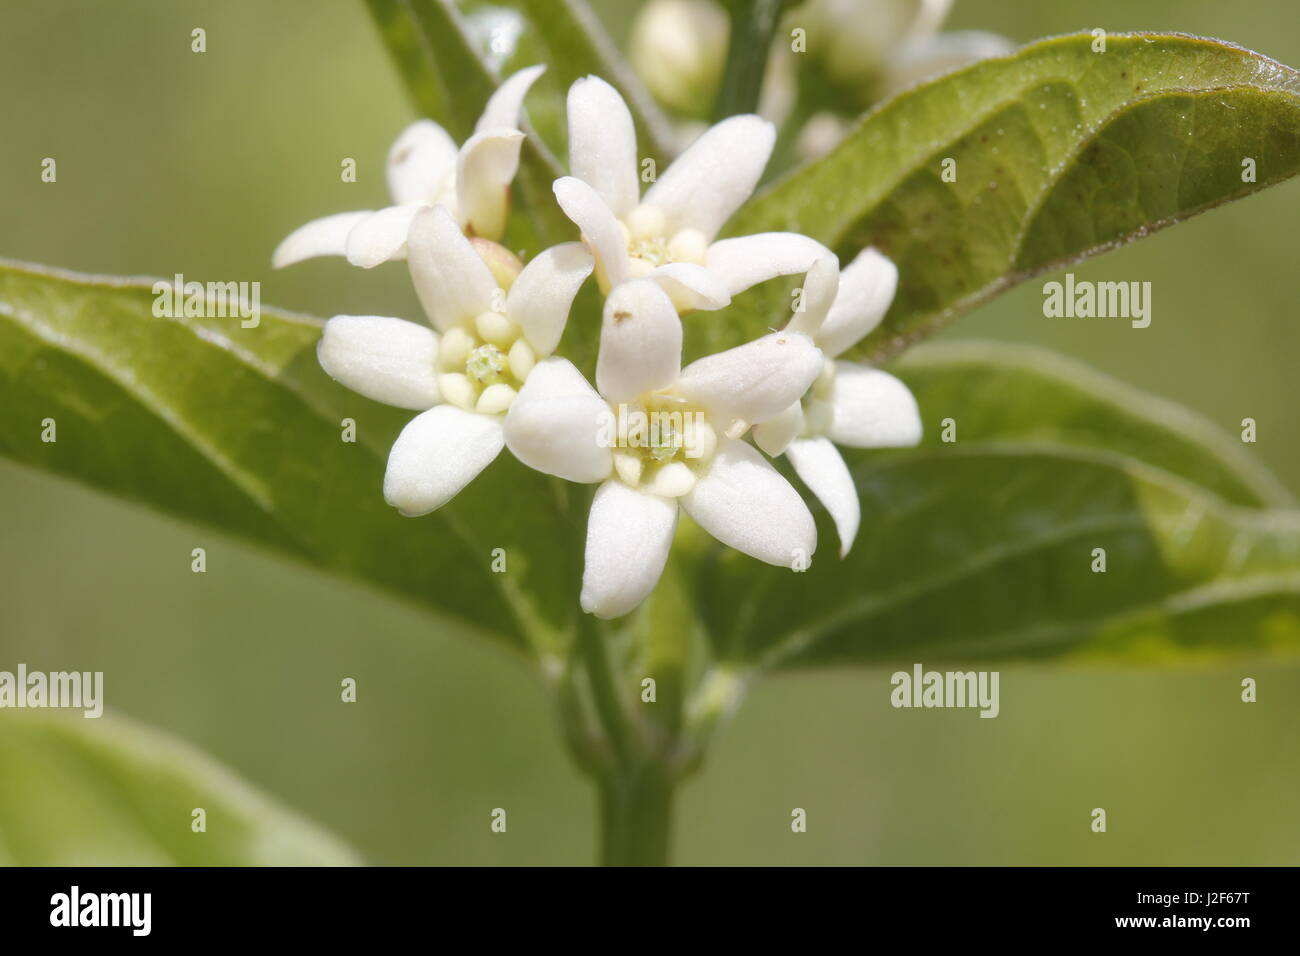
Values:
[(174, 162)]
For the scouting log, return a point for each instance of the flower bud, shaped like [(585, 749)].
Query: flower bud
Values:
[(678, 48)]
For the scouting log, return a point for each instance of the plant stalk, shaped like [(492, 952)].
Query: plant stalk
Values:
[(753, 22), (636, 819)]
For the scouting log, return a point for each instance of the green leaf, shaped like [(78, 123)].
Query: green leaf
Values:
[(107, 791), (239, 429), (983, 548), (1060, 153), (998, 391)]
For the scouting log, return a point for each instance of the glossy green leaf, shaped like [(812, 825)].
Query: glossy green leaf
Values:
[(239, 429), (983, 548), (106, 791), (1060, 152), (998, 391)]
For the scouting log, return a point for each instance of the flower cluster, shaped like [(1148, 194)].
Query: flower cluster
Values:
[(485, 375)]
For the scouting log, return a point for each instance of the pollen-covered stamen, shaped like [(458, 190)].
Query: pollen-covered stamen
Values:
[(663, 444), (650, 244), (482, 364)]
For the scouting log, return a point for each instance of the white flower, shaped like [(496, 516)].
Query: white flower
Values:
[(849, 403), (426, 169), (464, 376), (560, 425), (668, 235)]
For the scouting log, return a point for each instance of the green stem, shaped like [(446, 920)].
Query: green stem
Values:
[(610, 705), (636, 819), (752, 24), (636, 785)]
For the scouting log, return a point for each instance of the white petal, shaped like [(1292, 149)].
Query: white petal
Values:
[(749, 260), (599, 227), (867, 287), (320, 237), (718, 172), (382, 237), (822, 469), (437, 454), (628, 537), (691, 286), (820, 286), (640, 342), (559, 425), (745, 503), (389, 360), (418, 162), (602, 143), (502, 110), (775, 434), (486, 166), (542, 294), (453, 283), (872, 409), (755, 381)]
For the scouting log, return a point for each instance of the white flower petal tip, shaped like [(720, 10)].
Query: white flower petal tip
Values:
[(542, 295), (640, 341), (715, 175), (820, 287), (821, 467), (866, 289), (602, 143), (746, 261), (437, 454), (387, 360), (756, 381), (381, 237), (419, 162), (599, 227), (774, 435), (505, 105), (745, 503), (872, 409), (486, 166), (555, 424), (451, 279), (320, 237), (690, 286), (628, 538)]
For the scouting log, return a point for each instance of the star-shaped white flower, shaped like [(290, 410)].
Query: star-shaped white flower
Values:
[(426, 169), (464, 376), (560, 425), (668, 235), (849, 403)]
